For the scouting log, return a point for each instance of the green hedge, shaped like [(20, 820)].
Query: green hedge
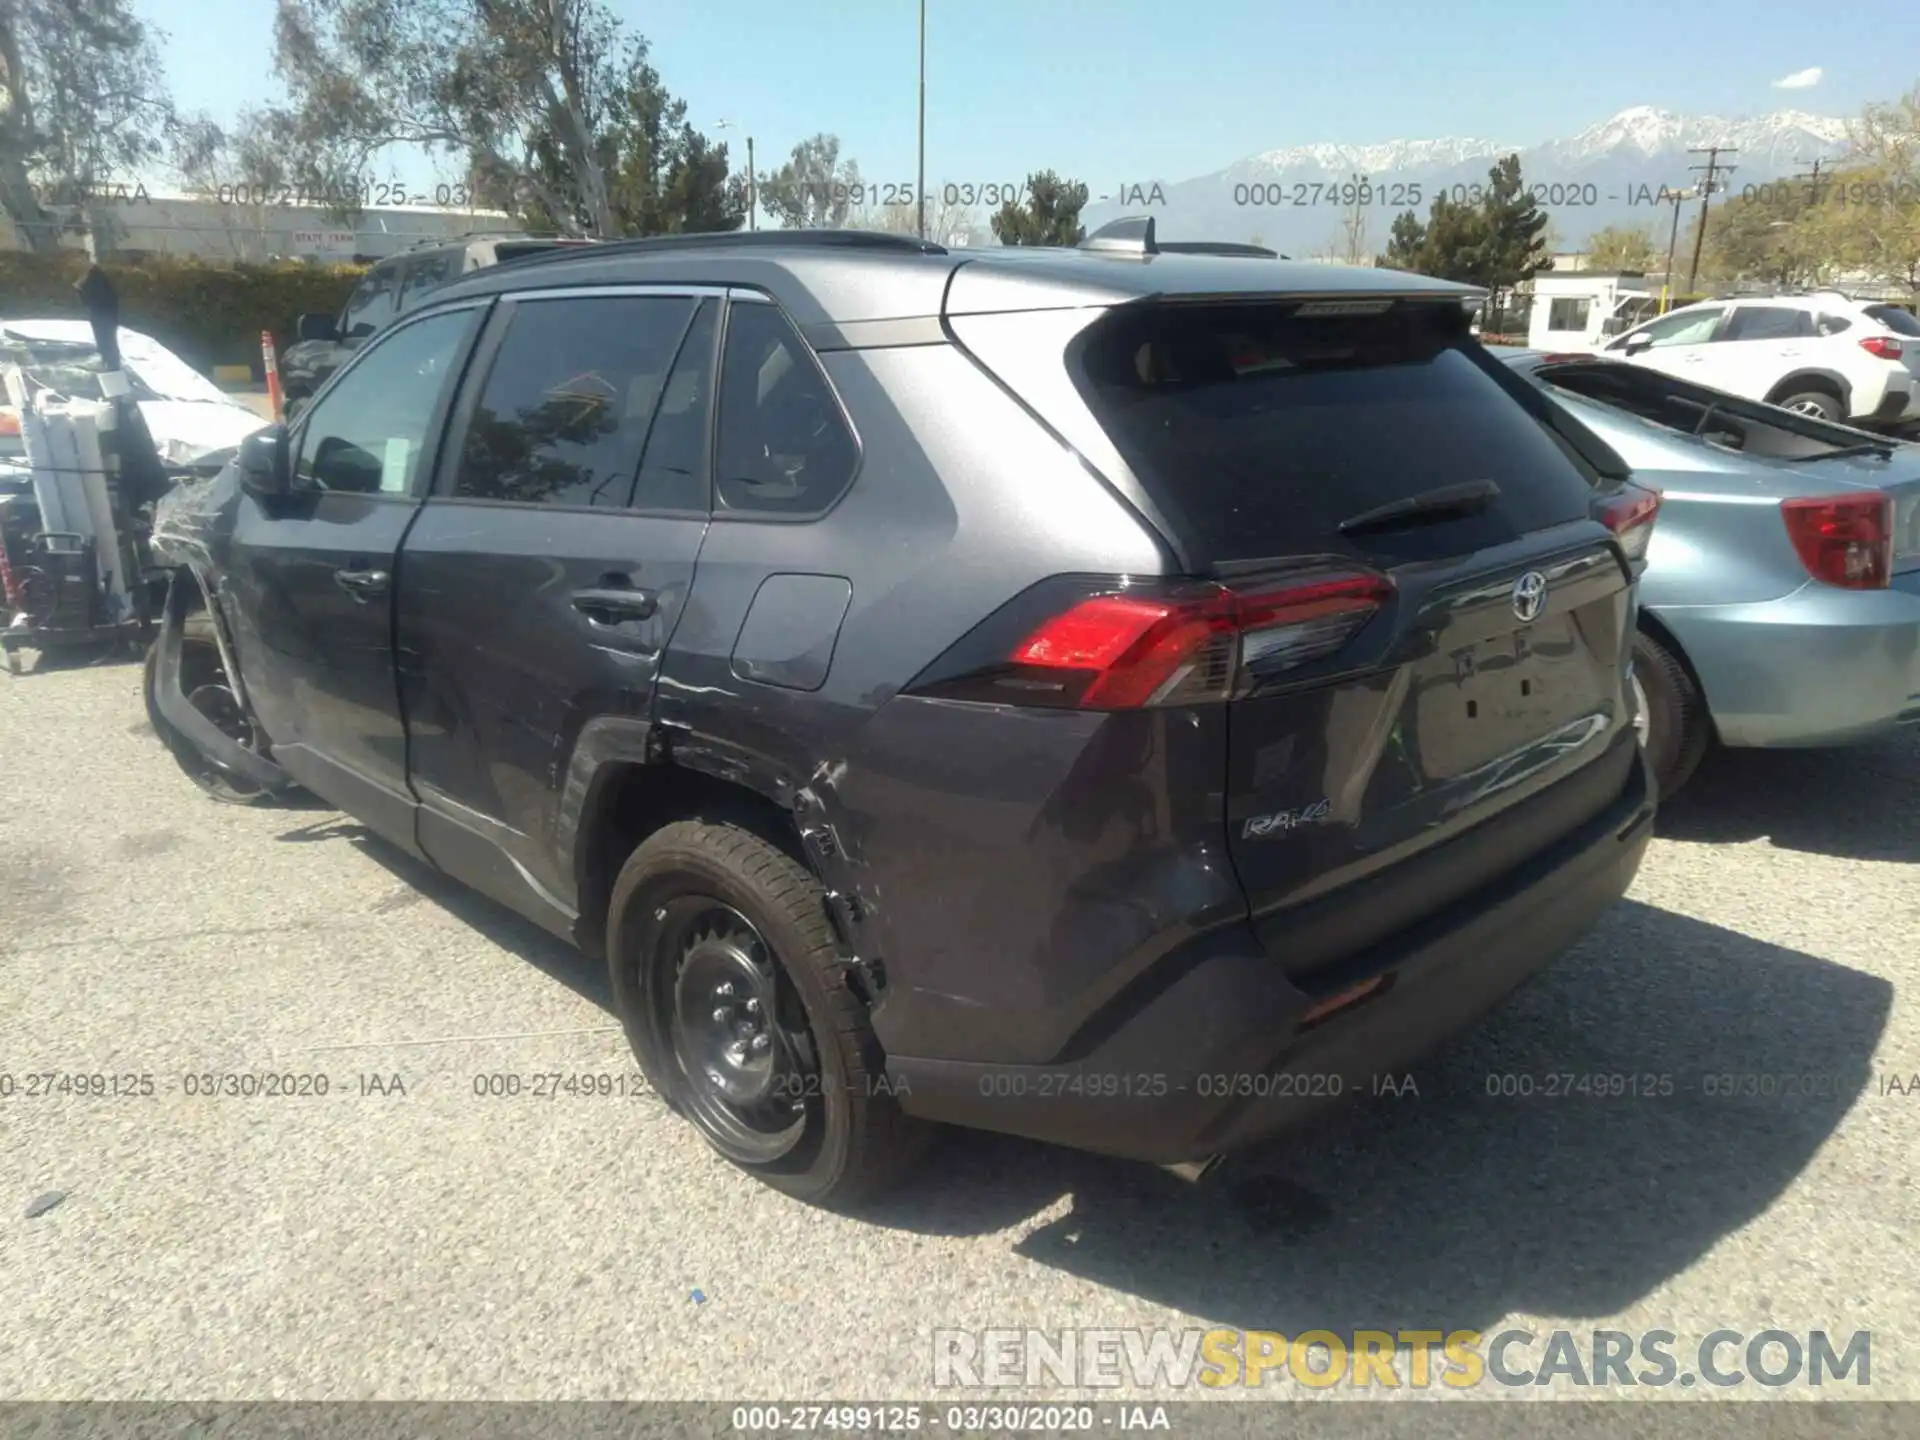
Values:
[(207, 314)]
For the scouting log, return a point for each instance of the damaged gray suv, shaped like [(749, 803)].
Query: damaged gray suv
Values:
[(1122, 696)]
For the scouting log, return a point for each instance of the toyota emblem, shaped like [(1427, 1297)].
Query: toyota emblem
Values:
[(1529, 593)]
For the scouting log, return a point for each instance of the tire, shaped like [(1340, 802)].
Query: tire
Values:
[(818, 1123), (1678, 727), (196, 630), (1822, 404)]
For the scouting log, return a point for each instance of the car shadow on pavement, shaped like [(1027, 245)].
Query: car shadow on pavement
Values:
[(507, 929), (1454, 1207), (1855, 804)]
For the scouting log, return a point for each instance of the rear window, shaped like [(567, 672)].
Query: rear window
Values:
[(1901, 322), (519, 250), (1259, 431)]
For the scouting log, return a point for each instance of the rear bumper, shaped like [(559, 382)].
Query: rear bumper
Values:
[(1901, 402), (1220, 1060), (1821, 666)]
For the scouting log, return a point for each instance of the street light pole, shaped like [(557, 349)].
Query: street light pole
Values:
[(921, 187)]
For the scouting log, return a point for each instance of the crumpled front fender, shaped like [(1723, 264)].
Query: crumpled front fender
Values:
[(192, 522)]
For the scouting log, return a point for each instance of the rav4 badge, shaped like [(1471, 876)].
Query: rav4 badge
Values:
[(1258, 827)]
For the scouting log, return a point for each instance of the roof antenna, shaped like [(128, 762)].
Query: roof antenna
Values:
[(1130, 236)]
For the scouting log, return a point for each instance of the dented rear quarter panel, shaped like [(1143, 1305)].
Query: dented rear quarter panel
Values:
[(1006, 864)]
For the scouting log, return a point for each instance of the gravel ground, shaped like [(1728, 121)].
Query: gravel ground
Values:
[(401, 1237)]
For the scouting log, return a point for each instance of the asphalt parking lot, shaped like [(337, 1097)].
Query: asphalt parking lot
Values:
[(404, 1237)]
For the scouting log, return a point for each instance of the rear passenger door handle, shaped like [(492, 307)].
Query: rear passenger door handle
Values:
[(362, 585), (611, 606)]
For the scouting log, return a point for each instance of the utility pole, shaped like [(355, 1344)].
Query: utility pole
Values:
[(1712, 167), (1813, 180), (921, 188), (753, 190), (1675, 198), (753, 179)]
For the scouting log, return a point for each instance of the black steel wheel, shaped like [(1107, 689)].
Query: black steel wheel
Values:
[(737, 1031), (734, 994)]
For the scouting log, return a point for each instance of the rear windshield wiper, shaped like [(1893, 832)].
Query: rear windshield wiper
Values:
[(1449, 502), (1885, 452)]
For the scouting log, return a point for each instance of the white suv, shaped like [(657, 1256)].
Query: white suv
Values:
[(1819, 354)]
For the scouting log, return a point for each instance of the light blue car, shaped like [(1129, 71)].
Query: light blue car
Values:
[(1781, 601)]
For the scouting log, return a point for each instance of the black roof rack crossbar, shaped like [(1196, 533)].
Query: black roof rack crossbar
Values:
[(743, 239)]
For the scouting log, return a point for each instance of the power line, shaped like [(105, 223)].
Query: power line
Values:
[(1712, 167)]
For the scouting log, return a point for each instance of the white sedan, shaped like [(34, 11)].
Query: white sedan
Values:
[(193, 421)]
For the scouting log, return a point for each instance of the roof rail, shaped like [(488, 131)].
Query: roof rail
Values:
[(746, 239), (1218, 247), (467, 237)]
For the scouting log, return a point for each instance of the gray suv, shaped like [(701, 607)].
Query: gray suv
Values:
[(391, 288), (1121, 697)]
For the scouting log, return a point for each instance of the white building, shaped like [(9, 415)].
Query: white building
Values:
[(207, 229)]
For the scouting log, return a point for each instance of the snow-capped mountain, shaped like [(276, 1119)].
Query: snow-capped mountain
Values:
[(1783, 138), (1610, 173), (1391, 156)]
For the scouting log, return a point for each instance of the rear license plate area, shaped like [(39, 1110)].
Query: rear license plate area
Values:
[(1482, 701)]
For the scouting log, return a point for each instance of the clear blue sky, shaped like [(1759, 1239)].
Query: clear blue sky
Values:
[(1132, 89)]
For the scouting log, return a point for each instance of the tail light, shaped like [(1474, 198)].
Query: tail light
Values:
[(1844, 540), (1115, 646), (1629, 513), (1882, 346)]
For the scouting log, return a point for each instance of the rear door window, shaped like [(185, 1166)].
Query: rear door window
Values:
[(1768, 322), (1264, 431), (564, 413)]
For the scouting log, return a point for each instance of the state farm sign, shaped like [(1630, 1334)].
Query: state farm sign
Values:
[(323, 242)]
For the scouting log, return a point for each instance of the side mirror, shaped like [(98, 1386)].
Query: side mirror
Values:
[(1635, 344), (263, 463), (317, 327)]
